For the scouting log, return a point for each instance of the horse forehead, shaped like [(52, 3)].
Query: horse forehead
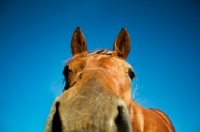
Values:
[(106, 60), (98, 60)]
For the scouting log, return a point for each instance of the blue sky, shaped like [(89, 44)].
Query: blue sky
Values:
[(35, 41)]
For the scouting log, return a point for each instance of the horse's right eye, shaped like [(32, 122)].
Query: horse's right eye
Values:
[(66, 71)]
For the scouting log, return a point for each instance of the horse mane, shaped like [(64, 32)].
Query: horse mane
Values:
[(93, 52)]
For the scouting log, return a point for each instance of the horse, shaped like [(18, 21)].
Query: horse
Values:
[(97, 93)]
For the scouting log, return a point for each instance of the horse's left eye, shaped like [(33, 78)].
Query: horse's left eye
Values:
[(131, 73)]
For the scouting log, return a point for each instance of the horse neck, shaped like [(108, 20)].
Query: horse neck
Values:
[(149, 119), (136, 115)]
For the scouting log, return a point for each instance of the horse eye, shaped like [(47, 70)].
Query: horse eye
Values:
[(66, 71), (131, 73)]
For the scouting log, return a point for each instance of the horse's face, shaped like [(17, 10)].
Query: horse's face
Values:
[(97, 94), (97, 85), (112, 72)]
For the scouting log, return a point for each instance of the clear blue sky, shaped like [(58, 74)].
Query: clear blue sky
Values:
[(35, 41)]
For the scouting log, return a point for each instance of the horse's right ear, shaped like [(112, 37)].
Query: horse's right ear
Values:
[(78, 42)]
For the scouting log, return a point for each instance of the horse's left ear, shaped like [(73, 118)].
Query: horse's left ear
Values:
[(78, 42), (122, 44)]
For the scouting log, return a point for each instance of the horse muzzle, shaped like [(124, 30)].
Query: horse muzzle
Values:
[(88, 108)]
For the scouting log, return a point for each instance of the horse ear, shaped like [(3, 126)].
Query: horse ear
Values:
[(122, 44), (78, 42)]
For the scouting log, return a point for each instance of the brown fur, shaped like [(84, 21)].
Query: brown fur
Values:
[(97, 94)]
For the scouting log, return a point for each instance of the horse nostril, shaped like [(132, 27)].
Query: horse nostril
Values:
[(56, 123), (122, 120)]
